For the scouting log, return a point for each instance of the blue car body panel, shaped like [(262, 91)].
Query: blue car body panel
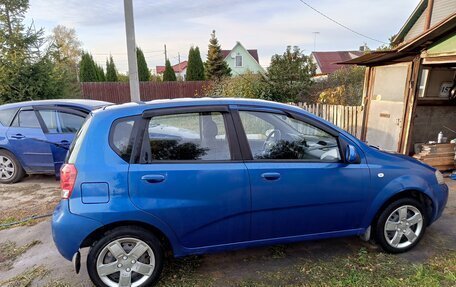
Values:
[(34, 147), (206, 207)]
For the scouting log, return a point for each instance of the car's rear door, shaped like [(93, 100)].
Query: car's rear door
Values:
[(59, 125), (29, 143), (190, 175), (300, 184)]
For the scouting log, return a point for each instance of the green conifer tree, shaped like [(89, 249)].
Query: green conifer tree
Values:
[(216, 67), (195, 67), (169, 74), (143, 70), (111, 71)]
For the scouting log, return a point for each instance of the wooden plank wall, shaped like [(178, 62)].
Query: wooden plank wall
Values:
[(119, 92)]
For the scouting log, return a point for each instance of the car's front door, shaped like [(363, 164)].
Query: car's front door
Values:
[(59, 125), (191, 176), (29, 143), (300, 184)]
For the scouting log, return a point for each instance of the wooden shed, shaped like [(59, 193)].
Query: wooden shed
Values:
[(407, 89)]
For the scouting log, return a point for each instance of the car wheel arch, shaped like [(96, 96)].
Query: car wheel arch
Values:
[(13, 153), (422, 197), (100, 232)]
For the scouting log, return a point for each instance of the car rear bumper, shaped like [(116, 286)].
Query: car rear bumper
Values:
[(69, 230)]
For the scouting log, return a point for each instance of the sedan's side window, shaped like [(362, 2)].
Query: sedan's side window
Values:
[(26, 119), (61, 122), (187, 136), (274, 136)]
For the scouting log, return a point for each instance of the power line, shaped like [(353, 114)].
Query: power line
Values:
[(340, 24)]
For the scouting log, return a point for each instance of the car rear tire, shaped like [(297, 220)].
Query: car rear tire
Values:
[(401, 225), (126, 255), (11, 170)]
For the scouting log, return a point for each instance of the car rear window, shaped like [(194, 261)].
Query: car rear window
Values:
[(78, 139), (6, 116)]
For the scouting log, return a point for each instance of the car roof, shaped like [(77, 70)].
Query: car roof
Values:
[(79, 103), (139, 107)]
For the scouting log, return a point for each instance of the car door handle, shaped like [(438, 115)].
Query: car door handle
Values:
[(64, 142), (18, 136), (153, 178), (270, 175)]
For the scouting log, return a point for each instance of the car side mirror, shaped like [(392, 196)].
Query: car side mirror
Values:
[(351, 155)]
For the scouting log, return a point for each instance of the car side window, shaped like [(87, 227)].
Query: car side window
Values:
[(70, 123), (61, 121), (187, 136), (274, 136), (26, 119), (121, 138), (50, 120), (6, 116)]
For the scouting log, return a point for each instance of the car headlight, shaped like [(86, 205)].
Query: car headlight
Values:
[(439, 177)]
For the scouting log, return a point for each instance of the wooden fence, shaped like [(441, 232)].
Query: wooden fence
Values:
[(348, 118), (119, 92)]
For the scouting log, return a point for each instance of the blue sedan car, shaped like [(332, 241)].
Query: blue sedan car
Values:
[(35, 135), (193, 176)]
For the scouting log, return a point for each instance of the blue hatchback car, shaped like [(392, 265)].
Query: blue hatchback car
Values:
[(193, 176), (35, 135)]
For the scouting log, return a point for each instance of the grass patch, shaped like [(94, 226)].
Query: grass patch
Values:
[(25, 279), (8, 220), (359, 269), (184, 272), (9, 252)]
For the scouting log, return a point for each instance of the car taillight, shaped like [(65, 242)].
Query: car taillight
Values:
[(68, 175)]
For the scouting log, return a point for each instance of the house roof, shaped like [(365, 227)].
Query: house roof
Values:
[(178, 68), (408, 49), (411, 21), (252, 52), (328, 61)]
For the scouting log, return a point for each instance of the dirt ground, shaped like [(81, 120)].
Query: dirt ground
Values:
[(28, 256)]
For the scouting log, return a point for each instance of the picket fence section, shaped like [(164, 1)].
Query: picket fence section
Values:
[(348, 118)]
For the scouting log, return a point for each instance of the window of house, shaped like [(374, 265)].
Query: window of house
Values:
[(279, 137), (238, 61), (189, 136)]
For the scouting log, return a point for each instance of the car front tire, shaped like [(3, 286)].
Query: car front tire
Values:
[(11, 170), (126, 256), (401, 225)]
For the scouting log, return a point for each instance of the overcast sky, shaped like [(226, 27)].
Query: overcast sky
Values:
[(266, 25)]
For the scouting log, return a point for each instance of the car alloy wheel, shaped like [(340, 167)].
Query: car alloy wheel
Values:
[(125, 262), (403, 226), (6, 168)]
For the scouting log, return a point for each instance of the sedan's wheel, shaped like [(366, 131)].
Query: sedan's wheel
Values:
[(6, 168), (401, 225), (126, 257), (10, 169)]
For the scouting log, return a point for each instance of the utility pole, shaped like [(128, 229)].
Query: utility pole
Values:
[(131, 49), (166, 55), (179, 58), (315, 40)]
